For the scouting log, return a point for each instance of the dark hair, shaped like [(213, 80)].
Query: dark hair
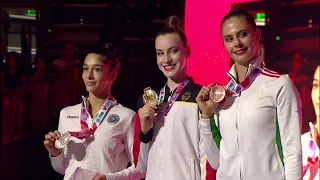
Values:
[(108, 53), (239, 12), (173, 26)]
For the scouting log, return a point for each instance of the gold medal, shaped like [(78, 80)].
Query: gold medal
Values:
[(218, 93), (149, 96)]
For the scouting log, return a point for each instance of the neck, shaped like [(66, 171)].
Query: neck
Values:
[(242, 69), (173, 83), (241, 72), (96, 101)]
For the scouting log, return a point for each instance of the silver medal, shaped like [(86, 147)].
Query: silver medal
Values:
[(62, 141)]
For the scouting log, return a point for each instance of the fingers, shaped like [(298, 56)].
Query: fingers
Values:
[(148, 108), (203, 95), (47, 143), (152, 105), (147, 111), (57, 133), (51, 137), (211, 85)]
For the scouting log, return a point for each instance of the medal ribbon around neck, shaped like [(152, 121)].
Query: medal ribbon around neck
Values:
[(174, 96), (312, 154), (234, 88), (85, 130)]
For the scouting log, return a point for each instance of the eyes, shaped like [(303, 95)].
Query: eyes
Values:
[(241, 34), (315, 85), (171, 51), (95, 69)]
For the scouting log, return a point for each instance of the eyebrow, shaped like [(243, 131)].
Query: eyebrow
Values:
[(92, 65), (168, 48)]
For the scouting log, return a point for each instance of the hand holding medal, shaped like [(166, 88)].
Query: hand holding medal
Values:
[(62, 141), (49, 143), (147, 112), (208, 97)]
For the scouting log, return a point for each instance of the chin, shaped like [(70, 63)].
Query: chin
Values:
[(241, 60), (90, 89), (170, 74)]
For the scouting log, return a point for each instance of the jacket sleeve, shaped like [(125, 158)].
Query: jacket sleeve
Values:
[(289, 116), (59, 163), (210, 140), (143, 147), (130, 173), (207, 172)]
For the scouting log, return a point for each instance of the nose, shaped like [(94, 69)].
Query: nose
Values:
[(167, 58), (237, 43), (90, 74)]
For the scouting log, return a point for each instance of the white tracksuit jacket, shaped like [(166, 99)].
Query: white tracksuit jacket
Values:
[(175, 149), (107, 152), (258, 131)]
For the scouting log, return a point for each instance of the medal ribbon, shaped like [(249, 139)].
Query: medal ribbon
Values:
[(312, 158), (174, 96), (233, 88), (85, 130)]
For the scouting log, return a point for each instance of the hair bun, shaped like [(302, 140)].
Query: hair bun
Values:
[(173, 22), (237, 9), (109, 48)]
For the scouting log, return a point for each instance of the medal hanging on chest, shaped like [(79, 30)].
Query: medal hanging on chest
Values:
[(85, 130), (150, 96), (218, 93)]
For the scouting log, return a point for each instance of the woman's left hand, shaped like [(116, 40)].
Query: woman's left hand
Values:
[(101, 177)]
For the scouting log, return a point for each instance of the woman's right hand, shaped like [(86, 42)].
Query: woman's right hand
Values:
[(49, 140), (146, 115), (206, 105)]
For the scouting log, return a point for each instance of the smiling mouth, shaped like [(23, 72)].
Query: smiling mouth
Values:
[(240, 51), (169, 67), (91, 83)]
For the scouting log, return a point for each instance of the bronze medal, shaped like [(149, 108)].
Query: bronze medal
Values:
[(218, 93)]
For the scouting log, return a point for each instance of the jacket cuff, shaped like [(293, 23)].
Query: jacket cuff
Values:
[(145, 138)]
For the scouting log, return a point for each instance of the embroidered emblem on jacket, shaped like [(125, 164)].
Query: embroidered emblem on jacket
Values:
[(186, 96), (113, 119)]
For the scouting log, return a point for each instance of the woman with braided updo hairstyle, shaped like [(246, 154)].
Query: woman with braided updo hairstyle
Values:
[(171, 146)]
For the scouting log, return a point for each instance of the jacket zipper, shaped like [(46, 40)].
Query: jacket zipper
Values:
[(237, 131)]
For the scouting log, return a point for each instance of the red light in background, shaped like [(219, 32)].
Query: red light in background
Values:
[(209, 61)]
